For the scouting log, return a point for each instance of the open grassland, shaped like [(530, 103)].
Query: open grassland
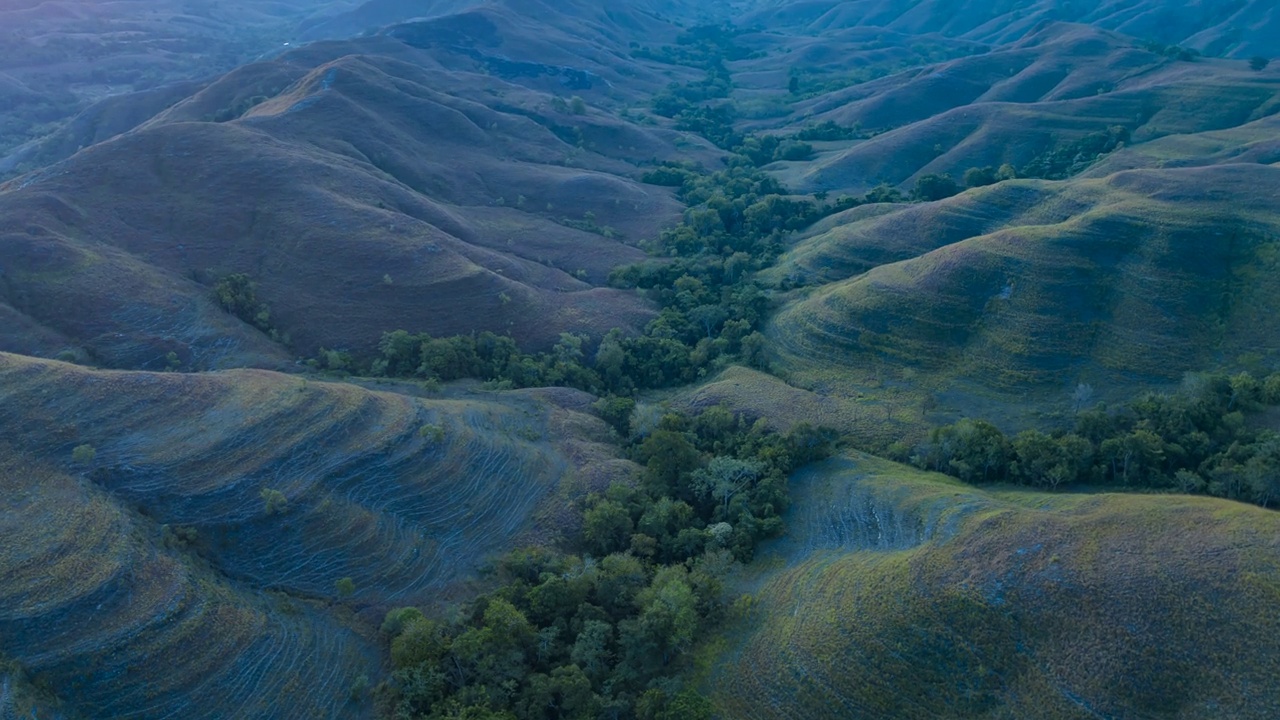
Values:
[(219, 513), (904, 594)]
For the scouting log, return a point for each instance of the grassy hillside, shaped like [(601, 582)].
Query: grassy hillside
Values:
[(1130, 280), (902, 594), (221, 512), (1020, 101)]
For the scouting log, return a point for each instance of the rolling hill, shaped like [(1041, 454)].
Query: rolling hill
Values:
[(224, 541), (1020, 101), (220, 511), (334, 183), (904, 594)]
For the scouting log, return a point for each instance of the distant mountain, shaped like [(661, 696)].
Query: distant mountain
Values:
[(1237, 29)]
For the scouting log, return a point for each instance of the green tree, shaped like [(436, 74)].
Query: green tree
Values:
[(934, 187), (606, 528), (980, 177), (724, 477), (346, 587), (274, 501), (84, 454), (1259, 63), (669, 612)]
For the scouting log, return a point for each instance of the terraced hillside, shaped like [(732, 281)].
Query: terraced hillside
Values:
[(221, 512), (903, 594)]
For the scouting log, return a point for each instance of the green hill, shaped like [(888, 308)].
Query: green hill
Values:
[(1026, 287), (903, 594)]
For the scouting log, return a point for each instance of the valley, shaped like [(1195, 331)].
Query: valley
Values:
[(658, 359)]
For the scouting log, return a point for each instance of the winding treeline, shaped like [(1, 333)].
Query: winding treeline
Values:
[(1209, 438)]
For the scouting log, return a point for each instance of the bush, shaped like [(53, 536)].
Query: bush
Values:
[(934, 187)]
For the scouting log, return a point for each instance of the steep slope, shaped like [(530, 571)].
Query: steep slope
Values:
[(219, 512), (902, 594)]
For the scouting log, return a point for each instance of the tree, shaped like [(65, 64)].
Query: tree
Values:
[(84, 454), (1081, 396), (606, 528), (934, 187), (591, 649), (617, 412), (346, 587), (275, 502), (1259, 63), (669, 614), (980, 177), (725, 477)]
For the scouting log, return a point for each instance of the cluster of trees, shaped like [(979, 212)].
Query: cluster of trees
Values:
[(237, 294), (829, 130), (1199, 440), (1058, 163), (704, 46), (1071, 158), (604, 629), (1173, 52)]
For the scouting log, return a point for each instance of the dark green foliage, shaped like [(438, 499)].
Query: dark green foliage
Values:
[(562, 636), (828, 130), (1259, 63), (981, 177), (1172, 52), (1067, 160), (1196, 441), (934, 187), (237, 294)]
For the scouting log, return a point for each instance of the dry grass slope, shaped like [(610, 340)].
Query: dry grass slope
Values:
[(903, 594)]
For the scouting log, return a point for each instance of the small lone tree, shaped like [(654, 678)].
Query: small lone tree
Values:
[(84, 454), (276, 502), (1259, 63), (346, 587)]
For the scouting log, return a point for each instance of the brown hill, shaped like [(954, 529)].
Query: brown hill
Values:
[(376, 191)]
